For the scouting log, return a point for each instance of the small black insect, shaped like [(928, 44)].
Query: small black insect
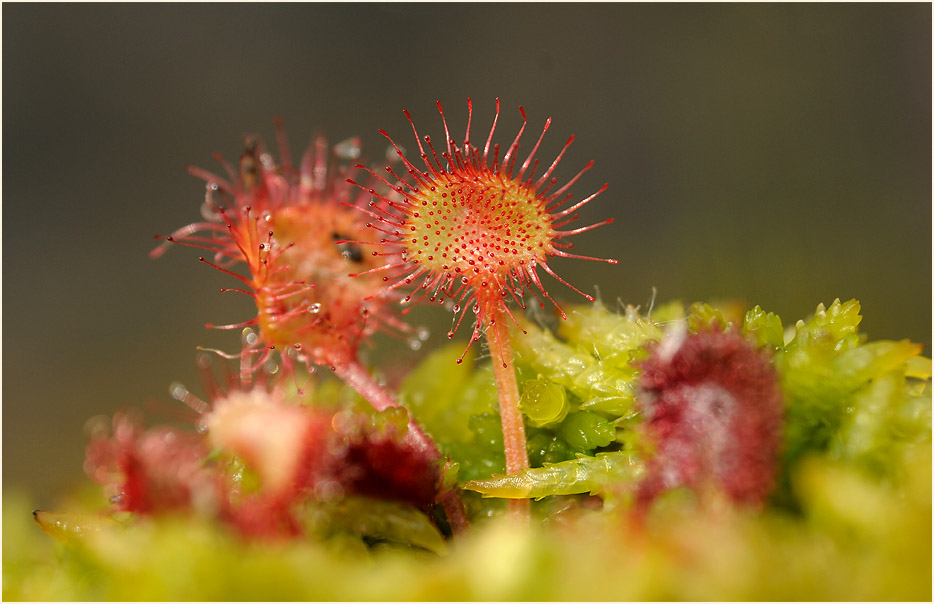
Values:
[(249, 164), (348, 250)]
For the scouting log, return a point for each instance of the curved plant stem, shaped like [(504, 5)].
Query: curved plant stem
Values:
[(358, 378), (455, 510), (517, 456)]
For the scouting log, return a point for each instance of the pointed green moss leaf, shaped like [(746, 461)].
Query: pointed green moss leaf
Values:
[(918, 367), (584, 474), (702, 316), (765, 328)]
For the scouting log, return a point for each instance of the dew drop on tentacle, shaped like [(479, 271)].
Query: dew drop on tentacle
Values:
[(249, 337), (178, 391), (348, 149)]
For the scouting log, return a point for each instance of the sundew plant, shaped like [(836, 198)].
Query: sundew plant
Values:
[(572, 450)]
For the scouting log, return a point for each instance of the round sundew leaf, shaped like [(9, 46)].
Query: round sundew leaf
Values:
[(475, 227)]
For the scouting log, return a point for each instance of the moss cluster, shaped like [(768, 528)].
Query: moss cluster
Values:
[(850, 518)]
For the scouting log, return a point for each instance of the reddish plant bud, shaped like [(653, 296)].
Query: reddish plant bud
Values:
[(713, 407), (385, 467)]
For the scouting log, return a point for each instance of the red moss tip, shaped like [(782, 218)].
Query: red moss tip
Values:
[(713, 406), (475, 225)]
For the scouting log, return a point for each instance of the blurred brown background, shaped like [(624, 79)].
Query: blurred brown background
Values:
[(778, 154)]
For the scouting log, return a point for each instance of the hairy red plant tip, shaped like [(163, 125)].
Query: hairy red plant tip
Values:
[(713, 406), (474, 227), (298, 233), (152, 471), (388, 466)]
